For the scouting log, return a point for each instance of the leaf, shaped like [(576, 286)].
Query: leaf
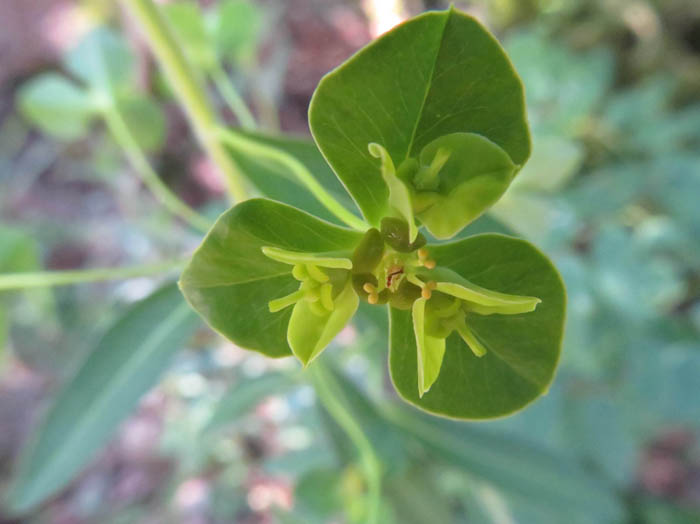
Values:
[(124, 365), (188, 23), (276, 182), (56, 106), (237, 27), (145, 120), (475, 174), (523, 349), (230, 282), (437, 74), (103, 61), (245, 394), (525, 472)]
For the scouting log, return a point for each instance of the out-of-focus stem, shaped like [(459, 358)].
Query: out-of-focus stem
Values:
[(188, 88), (79, 276), (123, 136), (233, 99), (330, 395)]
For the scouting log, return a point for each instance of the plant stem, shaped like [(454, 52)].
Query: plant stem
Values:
[(233, 99), (253, 147), (188, 87), (124, 137), (79, 276), (330, 395)]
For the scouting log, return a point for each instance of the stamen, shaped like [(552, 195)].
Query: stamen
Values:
[(369, 288), (372, 298), (326, 298), (426, 293), (429, 264), (316, 273), (423, 253), (279, 304)]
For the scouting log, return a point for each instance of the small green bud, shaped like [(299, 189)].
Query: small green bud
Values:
[(396, 234)]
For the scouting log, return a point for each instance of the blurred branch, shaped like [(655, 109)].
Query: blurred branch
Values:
[(332, 398), (304, 176), (79, 276), (188, 88), (120, 132), (233, 98)]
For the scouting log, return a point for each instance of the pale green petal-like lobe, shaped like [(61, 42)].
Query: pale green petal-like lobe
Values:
[(454, 284), (472, 178), (399, 195), (309, 333), (293, 257), (430, 350)]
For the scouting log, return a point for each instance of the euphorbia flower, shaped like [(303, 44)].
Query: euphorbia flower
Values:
[(425, 128), (324, 303)]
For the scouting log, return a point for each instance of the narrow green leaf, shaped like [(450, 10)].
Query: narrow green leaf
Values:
[(552, 483), (230, 281), (56, 106), (438, 73), (124, 365), (145, 120), (243, 395), (522, 349)]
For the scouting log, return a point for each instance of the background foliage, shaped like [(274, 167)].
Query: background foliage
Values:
[(610, 194)]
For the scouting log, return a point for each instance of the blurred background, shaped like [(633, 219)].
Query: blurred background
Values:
[(611, 193)]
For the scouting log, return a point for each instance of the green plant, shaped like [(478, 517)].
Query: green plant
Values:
[(424, 127)]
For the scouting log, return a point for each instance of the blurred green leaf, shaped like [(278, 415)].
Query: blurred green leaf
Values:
[(551, 483), (237, 27), (103, 61), (657, 511), (124, 365), (664, 380), (145, 120), (554, 161), (188, 22), (563, 87), (244, 395), (318, 495), (56, 106)]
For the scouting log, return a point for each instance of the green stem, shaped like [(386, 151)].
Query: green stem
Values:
[(79, 276), (188, 87), (330, 395), (255, 148), (234, 100), (124, 137)]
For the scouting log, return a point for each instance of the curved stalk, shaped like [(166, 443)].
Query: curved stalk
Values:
[(232, 98), (121, 133), (331, 397), (188, 88), (255, 148), (79, 276)]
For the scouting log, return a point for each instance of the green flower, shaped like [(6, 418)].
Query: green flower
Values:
[(324, 303)]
